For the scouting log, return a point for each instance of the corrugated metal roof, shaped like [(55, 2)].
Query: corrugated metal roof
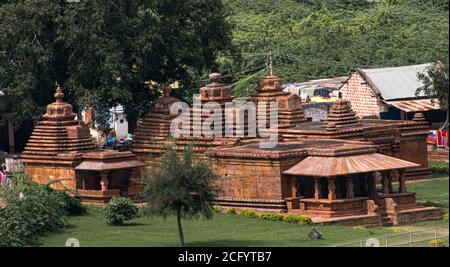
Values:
[(415, 105), (396, 82)]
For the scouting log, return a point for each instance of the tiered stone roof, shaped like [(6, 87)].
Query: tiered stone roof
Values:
[(156, 125), (58, 134), (420, 118), (290, 112), (154, 131), (341, 115), (216, 92)]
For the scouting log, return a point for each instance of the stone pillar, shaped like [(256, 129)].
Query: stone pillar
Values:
[(83, 183), (331, 189), (104, 181), (317, 188), (350, 187), (391, 176), (372, 184), (402, 182), (294, 187), (385, 183)]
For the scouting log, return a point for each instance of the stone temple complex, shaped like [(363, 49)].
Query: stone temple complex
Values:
[(342, 170), (61, 151), (328, 170)]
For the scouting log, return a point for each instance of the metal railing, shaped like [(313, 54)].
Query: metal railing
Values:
[(432, 237)]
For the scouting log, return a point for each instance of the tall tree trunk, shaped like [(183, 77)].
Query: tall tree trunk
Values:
[(180, 228)]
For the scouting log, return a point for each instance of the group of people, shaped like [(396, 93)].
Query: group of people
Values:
[(111, 142)]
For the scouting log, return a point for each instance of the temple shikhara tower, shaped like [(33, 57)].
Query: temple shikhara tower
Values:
[(61, 150), (290, 111), (154, 131)]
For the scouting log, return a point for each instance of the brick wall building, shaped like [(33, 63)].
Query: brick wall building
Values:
[(387, 93)]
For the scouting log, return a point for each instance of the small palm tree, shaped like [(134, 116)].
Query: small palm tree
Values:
[(183, 186)]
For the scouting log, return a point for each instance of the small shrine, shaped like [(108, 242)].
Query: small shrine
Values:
[(331, 181), (61, 151)]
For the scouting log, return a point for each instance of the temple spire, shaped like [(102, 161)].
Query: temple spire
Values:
[(270, 63), (341, 115), (166, 90), (59, 94), (59, 110)]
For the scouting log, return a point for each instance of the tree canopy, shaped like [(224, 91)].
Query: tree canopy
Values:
[(105, 52), (435, 84), (328, 38)]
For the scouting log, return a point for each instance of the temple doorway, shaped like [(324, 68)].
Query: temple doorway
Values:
[(305, 187)]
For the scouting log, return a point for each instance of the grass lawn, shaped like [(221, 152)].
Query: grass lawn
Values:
[(232, 230)]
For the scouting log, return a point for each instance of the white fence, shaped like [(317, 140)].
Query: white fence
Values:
[(435, 237)]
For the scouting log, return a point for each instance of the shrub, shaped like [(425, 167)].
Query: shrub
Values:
[(271, 216), (31, 211), (437, 243), (430, 204), (119, 210), (445, 217), (248, 213), (217, 209), (439, 170), (71, 205), (231, 211), (290, 218), (303, 220)]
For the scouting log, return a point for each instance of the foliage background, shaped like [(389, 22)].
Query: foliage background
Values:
[(104, 52), (328, 38)]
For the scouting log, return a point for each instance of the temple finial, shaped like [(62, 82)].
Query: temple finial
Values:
[(215, 77), (59, 95), (166, 90)]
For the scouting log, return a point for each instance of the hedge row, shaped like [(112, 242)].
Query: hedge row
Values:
[(288, 218), (439, 170)]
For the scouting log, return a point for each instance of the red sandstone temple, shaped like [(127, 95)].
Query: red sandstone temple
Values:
[(338, 171), (61, 150), (341, 170)]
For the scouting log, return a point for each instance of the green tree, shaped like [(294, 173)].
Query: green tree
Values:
[(183, 186), (435, 84), (31, 58), (105, 52)]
